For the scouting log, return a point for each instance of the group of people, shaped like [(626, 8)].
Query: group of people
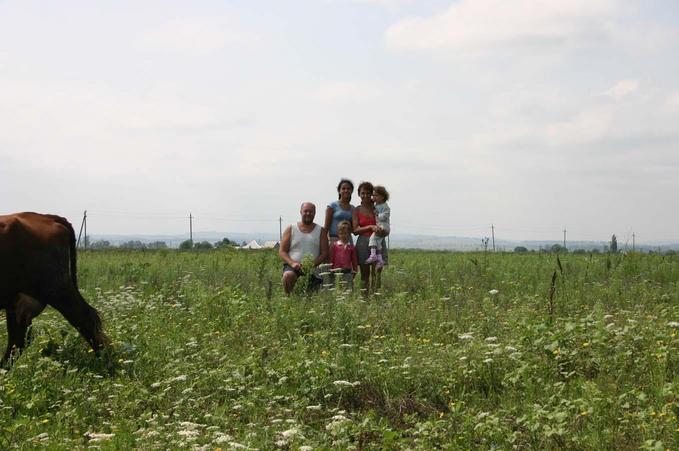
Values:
[(332, 243)]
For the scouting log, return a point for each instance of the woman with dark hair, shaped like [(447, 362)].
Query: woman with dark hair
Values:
[(340, 210), (364, 224)]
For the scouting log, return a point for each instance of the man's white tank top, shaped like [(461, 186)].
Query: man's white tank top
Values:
[(302, 243)]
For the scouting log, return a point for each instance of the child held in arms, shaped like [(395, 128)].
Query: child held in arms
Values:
[(382, 213), (342, 252)]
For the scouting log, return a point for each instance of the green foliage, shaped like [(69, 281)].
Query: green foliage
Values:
[(458, 352), (100, 244), (203, 245), (225, 242), (186, 245), (558, 249)]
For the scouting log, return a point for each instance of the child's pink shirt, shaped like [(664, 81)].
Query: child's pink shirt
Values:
[(343, 255)]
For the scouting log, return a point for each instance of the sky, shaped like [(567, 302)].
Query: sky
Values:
[(534, 116)]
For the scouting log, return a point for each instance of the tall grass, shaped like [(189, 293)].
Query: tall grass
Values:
[(457, 351)]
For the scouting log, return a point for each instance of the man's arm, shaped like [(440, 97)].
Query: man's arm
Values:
[(285, 248), (323, 254)]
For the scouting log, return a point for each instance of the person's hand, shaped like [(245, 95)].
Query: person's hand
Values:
[(297, 266), (374, 228)]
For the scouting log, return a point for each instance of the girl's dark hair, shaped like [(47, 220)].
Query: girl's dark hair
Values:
[(379, 189), (339, 185), (366, 185)]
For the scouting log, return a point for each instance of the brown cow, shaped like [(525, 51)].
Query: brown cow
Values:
[(38, 268)]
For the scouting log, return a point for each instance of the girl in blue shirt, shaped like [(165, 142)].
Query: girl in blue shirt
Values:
[(340, 210)]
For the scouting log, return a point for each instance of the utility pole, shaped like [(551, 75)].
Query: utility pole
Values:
[(83, 225), (492, 232), (633, 243), (280, 229), (564, 238), (191, 229)]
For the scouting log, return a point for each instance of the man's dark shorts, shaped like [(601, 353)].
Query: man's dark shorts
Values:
[(287, 268), (315, 281)]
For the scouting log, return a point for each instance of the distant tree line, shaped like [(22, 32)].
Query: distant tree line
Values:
[(611, 247), (185, 245)]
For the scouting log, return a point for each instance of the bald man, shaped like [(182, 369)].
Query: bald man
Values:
[(301, 239)]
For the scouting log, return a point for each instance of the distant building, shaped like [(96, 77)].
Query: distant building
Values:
[(251, 245), (267, 245)]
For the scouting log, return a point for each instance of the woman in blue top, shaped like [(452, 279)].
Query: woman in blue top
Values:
[(340, 210)]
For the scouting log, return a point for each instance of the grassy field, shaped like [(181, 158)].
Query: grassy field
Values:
[(457, 351)]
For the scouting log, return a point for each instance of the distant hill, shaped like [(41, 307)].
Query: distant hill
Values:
[(402, 241)]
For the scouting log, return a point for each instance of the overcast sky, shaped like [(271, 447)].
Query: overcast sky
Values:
[(533, 115)]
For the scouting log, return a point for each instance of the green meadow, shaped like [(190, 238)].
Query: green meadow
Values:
[(456, 351)]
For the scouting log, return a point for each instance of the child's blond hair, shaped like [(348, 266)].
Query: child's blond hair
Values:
[(342, 224)]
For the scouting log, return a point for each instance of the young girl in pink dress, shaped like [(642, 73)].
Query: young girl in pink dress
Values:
[(342, 253)]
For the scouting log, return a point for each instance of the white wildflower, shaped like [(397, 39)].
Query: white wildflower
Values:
[(180, 378), (316, 407), (188, 433), (155, 385), (466, 336), (286, 436), (222, 438), (190, 425), (98, 437), (488, 360), (493, 292), (673, 324), (290, 434), (491, 339), (41, 437), (336, 424)]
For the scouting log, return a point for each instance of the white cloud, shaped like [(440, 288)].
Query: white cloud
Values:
[(588, 125), (473, 25), (622, 89), (390, 4), (344, 91), (673, 100), (106, 128), (194, 36)]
